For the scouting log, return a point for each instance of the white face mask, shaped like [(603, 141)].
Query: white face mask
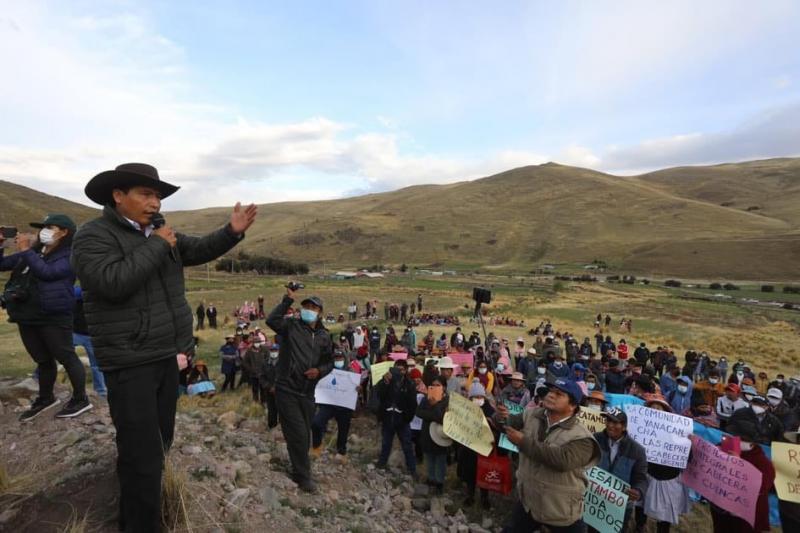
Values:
[(746, 446), (46, 236), (482, 370), (541, 370), (740, 375), (773, 401), (682, 389), (500, 367), (713, 381), (273, 355), (758, 410), (590, 385), (338, 364), (558, 364), (478, 401)]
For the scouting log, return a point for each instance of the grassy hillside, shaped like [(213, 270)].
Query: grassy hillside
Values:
[(22, 205), (731, 221), (671, 222)]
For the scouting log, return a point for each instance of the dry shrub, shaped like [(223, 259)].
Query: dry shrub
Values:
[(5, 478), (174, 494), (77, 524)]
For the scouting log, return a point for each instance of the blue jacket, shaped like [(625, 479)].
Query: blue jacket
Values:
[(630, 463), (52, 274), (228, 353)]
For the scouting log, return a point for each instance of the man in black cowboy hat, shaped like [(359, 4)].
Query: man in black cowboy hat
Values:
[(131, 272)]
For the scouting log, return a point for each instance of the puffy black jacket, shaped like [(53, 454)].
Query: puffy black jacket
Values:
[(133, 291), (302, 348), (401, 394)]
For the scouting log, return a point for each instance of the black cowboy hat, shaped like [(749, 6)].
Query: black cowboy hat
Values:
[(126, 175)]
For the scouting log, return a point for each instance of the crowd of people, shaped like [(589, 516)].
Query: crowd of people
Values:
[(549, 378)]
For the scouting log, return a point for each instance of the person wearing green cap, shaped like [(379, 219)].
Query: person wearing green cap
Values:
[(40, 299)]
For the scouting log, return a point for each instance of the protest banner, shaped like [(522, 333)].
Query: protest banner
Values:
[(621, 400), (592, 419), (338, 388), (397, 356), (513, 408), (379, 369), (725, 480), (786, 459), (459, 359), (465, 423), (604, 501), (506, 444), (665, 436)]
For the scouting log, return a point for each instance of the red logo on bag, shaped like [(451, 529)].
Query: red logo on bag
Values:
[(493, 476)]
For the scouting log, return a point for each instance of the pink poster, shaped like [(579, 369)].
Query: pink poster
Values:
[(725, 480), (397, 356), (459, 358)]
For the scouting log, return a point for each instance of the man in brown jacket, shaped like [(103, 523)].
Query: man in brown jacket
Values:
[(555, 450)]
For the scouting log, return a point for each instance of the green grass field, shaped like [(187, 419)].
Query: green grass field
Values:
[(765, 337)]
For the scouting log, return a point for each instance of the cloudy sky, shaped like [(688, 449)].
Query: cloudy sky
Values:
[(273, 101)]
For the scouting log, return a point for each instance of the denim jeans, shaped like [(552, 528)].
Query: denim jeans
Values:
[(98, 379), (436, 463), (393, 424)]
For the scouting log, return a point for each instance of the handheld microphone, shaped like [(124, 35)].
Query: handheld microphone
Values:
[(158, 221)]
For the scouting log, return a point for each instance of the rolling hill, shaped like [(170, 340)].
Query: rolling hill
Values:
[(732, 221), (19, 206)]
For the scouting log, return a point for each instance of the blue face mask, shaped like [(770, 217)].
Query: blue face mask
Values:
[(308, 316)]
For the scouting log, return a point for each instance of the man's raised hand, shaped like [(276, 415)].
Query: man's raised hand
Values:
[(241, 219)]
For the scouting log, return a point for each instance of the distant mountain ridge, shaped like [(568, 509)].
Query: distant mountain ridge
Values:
[(735, 221)]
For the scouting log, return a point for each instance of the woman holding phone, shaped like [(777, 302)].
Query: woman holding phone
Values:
[(40, 299)]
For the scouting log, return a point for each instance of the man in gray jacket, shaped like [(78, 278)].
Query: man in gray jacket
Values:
[(130, 267)]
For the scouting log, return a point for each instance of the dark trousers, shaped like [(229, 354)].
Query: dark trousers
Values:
[(142, 400), (320, 425), (200, 321), (212, 322), (256, 388), (48, 344), (230, 381), (523, 522), (393, 424), (295, 413), (272, 407)]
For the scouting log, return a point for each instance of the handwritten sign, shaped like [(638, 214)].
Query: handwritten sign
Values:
[(506, 444), (665, 436), (786, 459), (513, 408), (604, 501), (724, 479), (465, 423), (379, 369), (592, 419), (338, 388)]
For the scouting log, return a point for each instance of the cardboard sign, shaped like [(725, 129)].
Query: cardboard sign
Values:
[(513, 408), (786, 460), (506, 444), (338, 388), (465, 423), (604, 501), (725, 480), (665, 436), (379, 369), (592, 419)]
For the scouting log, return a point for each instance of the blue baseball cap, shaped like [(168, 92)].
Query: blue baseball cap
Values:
[(568, 387)]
